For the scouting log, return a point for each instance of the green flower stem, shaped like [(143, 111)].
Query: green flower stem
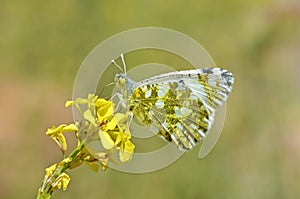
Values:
[(45, 191)]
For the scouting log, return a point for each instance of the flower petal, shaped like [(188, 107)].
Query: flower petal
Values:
[(70, 127), (105, 110), (106, 140), (126, 154), (89, 117), (81, 101), (50, 170), (101, 102), (68, 103), (62, 181), (120, 118), (111, 125), (129, 146)]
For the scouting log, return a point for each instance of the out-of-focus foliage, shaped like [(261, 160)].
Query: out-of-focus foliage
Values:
[(258, 155)]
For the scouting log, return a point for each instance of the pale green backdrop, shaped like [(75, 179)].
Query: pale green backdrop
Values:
[(42, 45)]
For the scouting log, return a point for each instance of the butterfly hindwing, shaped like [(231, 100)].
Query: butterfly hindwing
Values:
[(180, 106)]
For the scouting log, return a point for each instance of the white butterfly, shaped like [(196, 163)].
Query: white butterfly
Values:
[(180, 106)]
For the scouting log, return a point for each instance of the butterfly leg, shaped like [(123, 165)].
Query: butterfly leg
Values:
[(120, 103), (130, 117)]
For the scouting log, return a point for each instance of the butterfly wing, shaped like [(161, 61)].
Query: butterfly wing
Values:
[(180, 106)]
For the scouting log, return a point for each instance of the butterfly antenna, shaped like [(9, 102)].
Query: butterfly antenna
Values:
[(124, 65), (115, 63)]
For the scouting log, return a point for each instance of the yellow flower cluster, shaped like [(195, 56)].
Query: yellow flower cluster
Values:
[(113, 128), (112, 131), (99, 124)]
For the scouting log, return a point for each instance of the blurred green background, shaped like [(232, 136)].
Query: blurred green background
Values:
[(42, 45)]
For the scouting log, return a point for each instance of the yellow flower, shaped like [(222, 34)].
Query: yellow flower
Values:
[(113, 134), (117, 122), (90, 102), (109, 131), (88, 115), (127, 152), (68, 103), (98, 110), (62, 181), (113, 128), (50, 170), (77, 101), (56, 133), (106, 140), (105, 109), (126, 146)]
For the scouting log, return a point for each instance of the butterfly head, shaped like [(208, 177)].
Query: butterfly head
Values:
[(124, 84), (120, 79)]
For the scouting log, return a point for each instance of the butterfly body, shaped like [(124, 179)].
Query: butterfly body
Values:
[(179, 106)]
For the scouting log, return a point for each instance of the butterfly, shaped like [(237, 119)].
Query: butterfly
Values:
[(180, 106)]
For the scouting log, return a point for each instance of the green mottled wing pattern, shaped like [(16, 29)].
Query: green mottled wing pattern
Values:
[(180, 106)]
